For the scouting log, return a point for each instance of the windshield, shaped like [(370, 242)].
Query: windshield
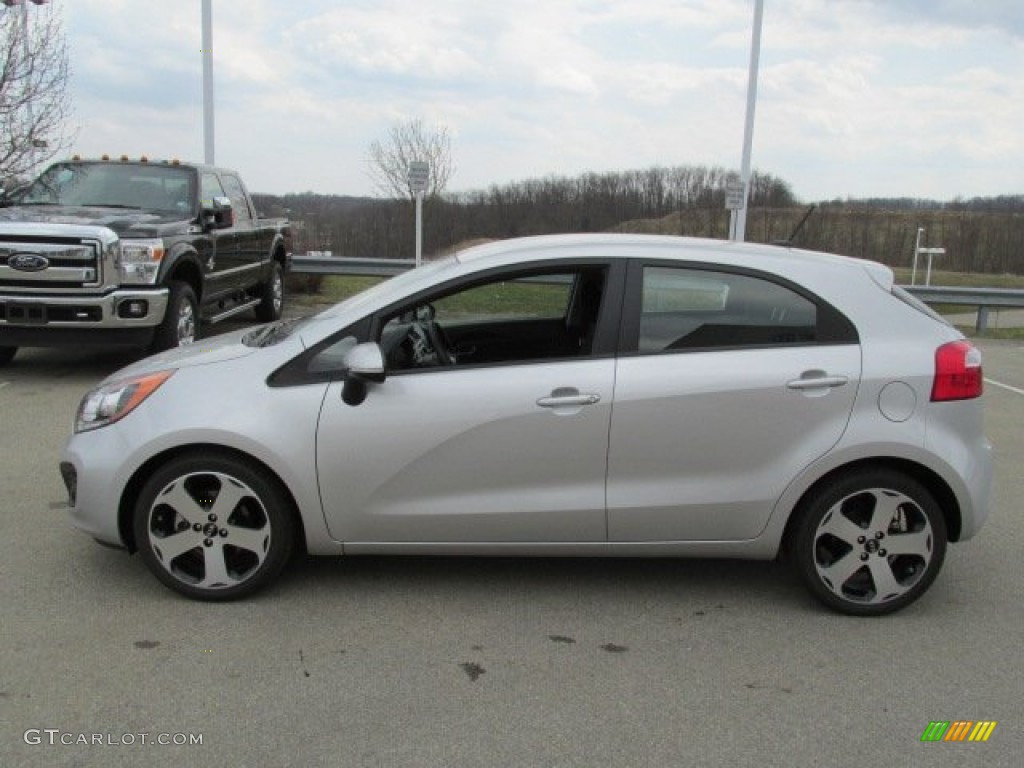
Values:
[(114, 185)]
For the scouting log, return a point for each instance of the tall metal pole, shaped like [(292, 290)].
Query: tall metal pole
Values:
[(208, 155), (748, 130), (419, 228)]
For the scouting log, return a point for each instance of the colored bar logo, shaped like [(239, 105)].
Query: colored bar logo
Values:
[(958, 730)]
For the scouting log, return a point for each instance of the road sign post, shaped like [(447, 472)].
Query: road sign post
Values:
[(419, 177), (733, 203)]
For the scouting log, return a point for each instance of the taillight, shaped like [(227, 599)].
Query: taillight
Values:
[(957, 372)]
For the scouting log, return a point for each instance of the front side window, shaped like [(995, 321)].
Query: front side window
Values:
[(211, 188), (686, 309), (239, 202), (515, 318)]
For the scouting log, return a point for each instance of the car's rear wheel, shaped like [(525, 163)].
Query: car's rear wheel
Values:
[(869, 542), (212, 527), (7, 354)]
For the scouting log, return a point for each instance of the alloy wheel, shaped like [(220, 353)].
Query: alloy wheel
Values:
[(209, 530), (873, 546)]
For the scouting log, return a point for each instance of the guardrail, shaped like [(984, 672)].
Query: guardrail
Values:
[(343, 265), (984, 299)]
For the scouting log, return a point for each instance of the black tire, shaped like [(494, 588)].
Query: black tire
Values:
[(207, 545), (269, 309), (180, 326), (869, 542), (7, 354)]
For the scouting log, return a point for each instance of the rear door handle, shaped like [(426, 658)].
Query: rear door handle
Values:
[(817, 380)]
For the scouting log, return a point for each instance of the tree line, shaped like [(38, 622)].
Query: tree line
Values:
[(980, 235)]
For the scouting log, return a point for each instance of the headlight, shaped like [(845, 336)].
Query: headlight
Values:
[(113, 401), (140, 260)]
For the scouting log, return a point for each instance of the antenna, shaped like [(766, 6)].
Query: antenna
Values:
[(796, 230)]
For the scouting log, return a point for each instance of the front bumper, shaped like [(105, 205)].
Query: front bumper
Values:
[(92, 470), (121, 316)]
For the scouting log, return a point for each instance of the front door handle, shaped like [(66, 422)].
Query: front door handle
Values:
[(568, 397)]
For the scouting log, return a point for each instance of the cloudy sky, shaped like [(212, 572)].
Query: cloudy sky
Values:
[(920, 98)]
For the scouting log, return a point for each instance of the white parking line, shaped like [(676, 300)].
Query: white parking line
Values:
[(999, 384), (4, 384)]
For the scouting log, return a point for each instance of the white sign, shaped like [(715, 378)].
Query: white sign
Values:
[(734, 196), (419, 176)]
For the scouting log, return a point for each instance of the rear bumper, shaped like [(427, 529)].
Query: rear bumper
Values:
[(118, 317), (978, 479)]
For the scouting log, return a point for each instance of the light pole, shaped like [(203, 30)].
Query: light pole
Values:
[(917, 250), (929, 252), (208, 156), (740, 215)]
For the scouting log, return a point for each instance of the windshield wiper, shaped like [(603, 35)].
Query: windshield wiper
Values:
[(272, 334), (109, 205)]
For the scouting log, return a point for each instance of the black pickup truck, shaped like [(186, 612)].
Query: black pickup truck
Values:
[(133, 252)]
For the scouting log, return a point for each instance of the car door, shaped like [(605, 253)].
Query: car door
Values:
[(246, 264), (730, 384), (509, 451), (219, 256)]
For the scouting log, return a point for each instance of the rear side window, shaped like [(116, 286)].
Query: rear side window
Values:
[(687, 309)]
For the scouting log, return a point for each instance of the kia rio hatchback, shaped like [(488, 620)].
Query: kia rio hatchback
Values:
[(606, 395)]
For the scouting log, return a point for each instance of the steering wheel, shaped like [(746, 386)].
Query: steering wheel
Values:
[(429, 341)]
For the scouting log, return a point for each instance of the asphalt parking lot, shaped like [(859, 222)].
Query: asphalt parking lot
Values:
[(430, 662)]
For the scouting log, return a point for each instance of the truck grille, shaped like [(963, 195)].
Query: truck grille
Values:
[(49, 263)]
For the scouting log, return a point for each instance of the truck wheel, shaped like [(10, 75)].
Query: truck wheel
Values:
[(180, 324), (7, 354), (270, 308)]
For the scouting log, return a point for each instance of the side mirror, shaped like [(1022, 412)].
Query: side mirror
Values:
[(217, 213), (364, 363)]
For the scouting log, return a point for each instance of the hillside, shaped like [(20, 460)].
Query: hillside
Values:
[(983, 235)]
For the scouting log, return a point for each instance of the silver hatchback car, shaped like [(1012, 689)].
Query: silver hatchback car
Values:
[(606, 395)]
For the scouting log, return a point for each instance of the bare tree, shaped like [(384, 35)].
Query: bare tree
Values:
[(388, 161), (34, 101)]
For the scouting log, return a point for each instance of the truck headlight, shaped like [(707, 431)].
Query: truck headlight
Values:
[(113, 401), (140, 261)]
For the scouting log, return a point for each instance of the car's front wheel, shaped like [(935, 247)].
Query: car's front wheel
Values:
[(869, 542), (213, 527), (7, 354), (180, 325)]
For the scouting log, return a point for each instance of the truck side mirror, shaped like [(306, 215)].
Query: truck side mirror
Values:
[(217, 213)]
